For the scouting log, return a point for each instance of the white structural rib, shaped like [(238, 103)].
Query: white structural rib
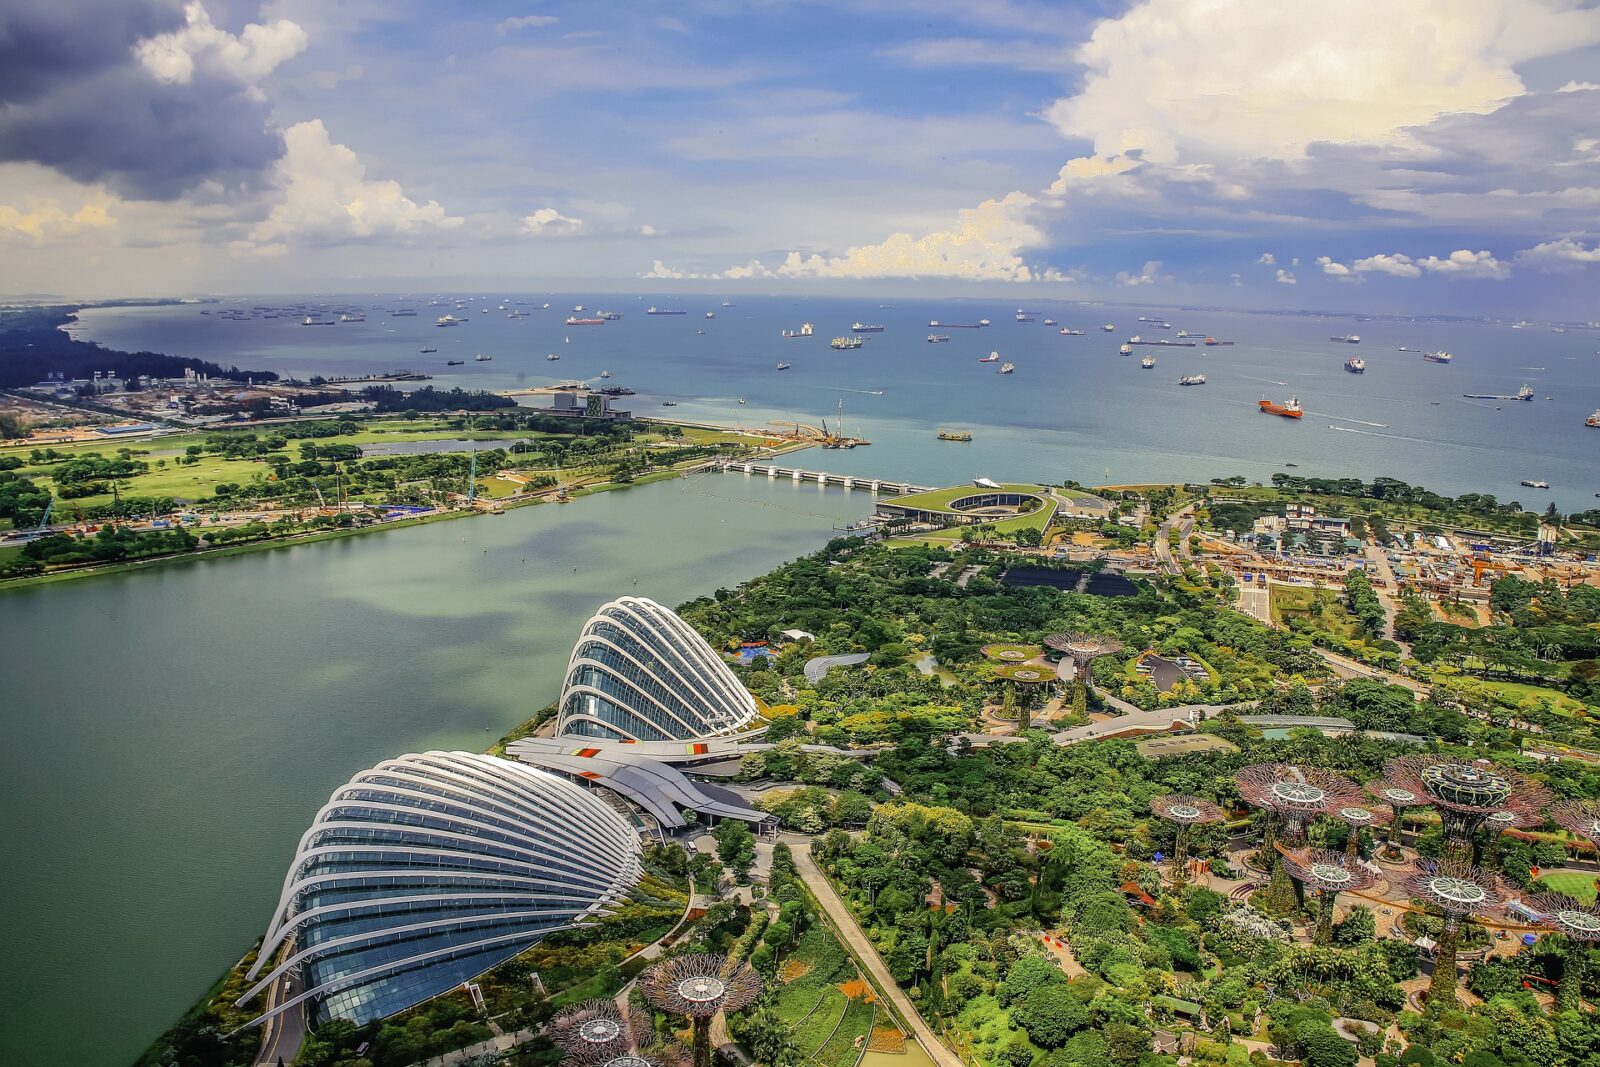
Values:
[(640, 673), (432, 865)]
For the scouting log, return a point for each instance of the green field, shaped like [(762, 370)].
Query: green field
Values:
[(1576, 884)]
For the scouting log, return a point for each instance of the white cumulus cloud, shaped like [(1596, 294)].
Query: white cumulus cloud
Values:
[(1285, 277), (247, 58), (984, 244), (1268, 259), (548, 222), (40, 220), (1401, 266), (1562, 253), (1149, 274), (1463, 263), (1332, 267), (327, 196)]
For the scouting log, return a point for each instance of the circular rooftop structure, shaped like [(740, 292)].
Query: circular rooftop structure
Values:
[(1465, 785)]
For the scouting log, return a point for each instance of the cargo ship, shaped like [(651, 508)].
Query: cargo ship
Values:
[(425, 351), (455, 363), (446, 320), (866, 327), (938, 338), (1067, 331), (954, 435), (937, 325), (353, 316), (312, 320), (1109, 328), (1049, 322), (783, 366), (1006, 368), (1437, 357), (1346, 338), (992, 357), (1126, 349), (1212, 342), (1535, 483), (1025, 318), (1525, 393), (480, 358), (552, 357), (1355, 365), (805, 330), (662, 311), (1192, 379), (847, 342), (1160, 342), (609, 316), (1593, 420), (573, 320), (1291, 410), (1147, 363)]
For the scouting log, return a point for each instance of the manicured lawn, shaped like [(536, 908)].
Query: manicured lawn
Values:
[(1578, 884), (841, 1050)]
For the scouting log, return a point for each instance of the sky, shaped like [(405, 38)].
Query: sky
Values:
[(1427, 156)]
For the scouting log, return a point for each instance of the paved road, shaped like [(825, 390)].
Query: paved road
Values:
[(1378, 564), (863, 950), (282, 1033)]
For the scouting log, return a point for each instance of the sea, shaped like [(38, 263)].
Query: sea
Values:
[(1072, 409)]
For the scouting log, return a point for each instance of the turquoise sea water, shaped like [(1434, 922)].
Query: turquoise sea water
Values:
[(1073, 408)]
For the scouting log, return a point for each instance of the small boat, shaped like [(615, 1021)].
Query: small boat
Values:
[(552, 357), (1192, 379), (1049, 322), (938, 338), (425, 351), (1147, 362), (727, 303), (741, 400), (1183, 333), (992, 357), (481, 358), (1006, 368), (783, 366), (605, 374), (1535, 483), (983, 322), (711, 314), (669, 403), (455, 363), (1291, 410), (955, 435), (517, 314), (1109, 328), (577, 307)]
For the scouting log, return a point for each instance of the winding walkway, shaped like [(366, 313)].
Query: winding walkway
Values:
[(863, 951)]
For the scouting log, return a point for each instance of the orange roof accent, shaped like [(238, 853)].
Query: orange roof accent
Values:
[(587, 753), (590, 774)]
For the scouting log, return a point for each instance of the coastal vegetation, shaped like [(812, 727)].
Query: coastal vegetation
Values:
[(33, 346)]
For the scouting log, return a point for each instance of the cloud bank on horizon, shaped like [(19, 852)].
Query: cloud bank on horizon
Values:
[(1444, 154)]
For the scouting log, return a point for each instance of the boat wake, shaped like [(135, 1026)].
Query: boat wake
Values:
[(1342, 418), (841, 389), (1390, 436), (1269, 381)]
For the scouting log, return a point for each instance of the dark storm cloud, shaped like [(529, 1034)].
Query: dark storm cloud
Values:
[(74, 97)]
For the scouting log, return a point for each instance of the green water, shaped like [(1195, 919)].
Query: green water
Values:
[(168, 734)]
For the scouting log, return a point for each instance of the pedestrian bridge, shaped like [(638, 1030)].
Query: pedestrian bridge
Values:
[(879, 486)]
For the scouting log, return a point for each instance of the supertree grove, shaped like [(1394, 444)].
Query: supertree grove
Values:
[(1580, 818), (1466, 794), (1460, 890), (1358, 817), (1398, 799), (1084, 649), (599, 1030), (1291, 796), (698, 986), (1580, 924), (1329, 873), (1184, 811)]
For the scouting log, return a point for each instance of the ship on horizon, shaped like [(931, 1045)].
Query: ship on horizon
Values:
[(1192, 379), (1290, 410), (1212, 342), (1437, 357), (938, 338), (866, 327), (845, 343), (992, 357), (1067, 331), (1148, 362), (1355, 365), (1346, 338), (573, 320), (663, 311), (805, 330), (1006, 368), (937, 325), (1524, 393)]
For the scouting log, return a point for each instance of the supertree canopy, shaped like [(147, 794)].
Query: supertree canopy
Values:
[(1460, 890), (1184, 811), (1329, 873), (1581, 924), (1398, 798), (599, 1029), (1580, 817), (699, 986), (1084, 648), (1291, 796), (1357, 817), (1465, 794)]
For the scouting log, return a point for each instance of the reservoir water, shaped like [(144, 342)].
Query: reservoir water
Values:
[(168, 734), (1073, 409)]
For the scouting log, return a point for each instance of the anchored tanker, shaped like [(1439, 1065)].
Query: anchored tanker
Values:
[(1290, 410)]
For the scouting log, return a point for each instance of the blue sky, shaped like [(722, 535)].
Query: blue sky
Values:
[(1433, 156)]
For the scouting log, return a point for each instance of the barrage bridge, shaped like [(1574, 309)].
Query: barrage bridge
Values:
[(881, 486)]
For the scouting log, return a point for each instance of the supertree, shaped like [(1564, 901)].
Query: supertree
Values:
[(1329, 873), (1357, 817), (1581, 924), (1580, 818), (1460, 890), (1291, 796), (1465, 794), (599, 1029), (1184, 812), (1398, 798), (698, 986), (1084, 648), (1496, 823)]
